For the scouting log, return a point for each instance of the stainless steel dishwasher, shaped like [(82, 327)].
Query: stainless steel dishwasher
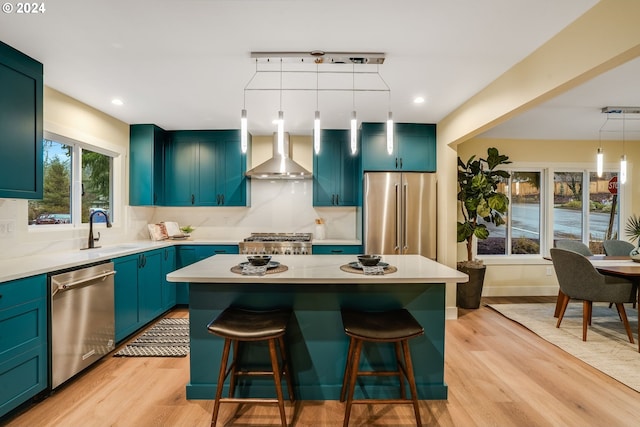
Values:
[(82, 319)]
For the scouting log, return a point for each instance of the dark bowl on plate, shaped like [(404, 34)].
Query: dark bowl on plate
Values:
[(258, 260), (369, 260)]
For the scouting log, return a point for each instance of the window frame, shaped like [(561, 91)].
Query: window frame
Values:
[(546, 207), (115, 184)]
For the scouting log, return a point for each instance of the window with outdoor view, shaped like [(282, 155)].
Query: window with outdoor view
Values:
[(77, 181), (521, 232), (528, 231)]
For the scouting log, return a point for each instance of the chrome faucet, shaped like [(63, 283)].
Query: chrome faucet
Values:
[(91, 239)]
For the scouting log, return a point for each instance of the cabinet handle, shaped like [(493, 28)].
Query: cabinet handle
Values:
[(193, 199), (220, 251), (396, 163), (337, 199), (400, 162), (333, 199), (222, 196), (336, 251)]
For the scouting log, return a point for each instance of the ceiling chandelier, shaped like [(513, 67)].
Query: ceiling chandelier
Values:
[(318, 58)]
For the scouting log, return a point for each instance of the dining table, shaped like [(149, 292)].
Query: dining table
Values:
[(619, 266)]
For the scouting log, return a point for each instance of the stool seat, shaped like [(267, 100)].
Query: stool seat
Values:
[(250, 325), (393, 325), (238, 325)]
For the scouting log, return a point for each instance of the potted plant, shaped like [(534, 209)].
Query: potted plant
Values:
[(478, 181), (632, 230)]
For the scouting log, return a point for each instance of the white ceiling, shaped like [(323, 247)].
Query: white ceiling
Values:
[(185, 64)]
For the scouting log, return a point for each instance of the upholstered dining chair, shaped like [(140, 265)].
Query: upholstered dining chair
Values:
[(617, 247), (575, 246), (579, 279)]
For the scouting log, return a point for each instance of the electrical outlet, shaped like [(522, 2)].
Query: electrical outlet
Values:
[(11, 227), (549, 271), (3, 228)]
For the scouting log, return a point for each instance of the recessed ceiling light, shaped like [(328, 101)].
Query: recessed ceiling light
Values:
[(418, 100), (117, 101)]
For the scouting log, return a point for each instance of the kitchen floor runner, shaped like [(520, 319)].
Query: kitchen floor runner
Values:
[(167, 338)]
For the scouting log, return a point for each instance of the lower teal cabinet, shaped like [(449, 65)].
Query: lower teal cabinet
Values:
[(168, 288), (336, 249), (189, 254), (23, 340), (138, 291)]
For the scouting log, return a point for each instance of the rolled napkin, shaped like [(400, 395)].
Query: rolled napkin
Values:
[(372, 270), (254, 270)]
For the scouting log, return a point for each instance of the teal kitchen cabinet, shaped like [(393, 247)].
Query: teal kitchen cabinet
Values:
[(138, 291), (168, 288), (336, 171), (21, 88), (189, 254), (23, 340), (205, 168), (414, 147), (150, 283), (336, 249), (146, 165)]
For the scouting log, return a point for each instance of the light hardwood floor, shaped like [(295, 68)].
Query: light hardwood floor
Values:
[(499, 374)]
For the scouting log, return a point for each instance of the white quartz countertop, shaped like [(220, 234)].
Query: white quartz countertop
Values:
[(310, 269), (42, 263)]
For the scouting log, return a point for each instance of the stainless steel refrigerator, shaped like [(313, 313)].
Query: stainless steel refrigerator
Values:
[(400, 213)]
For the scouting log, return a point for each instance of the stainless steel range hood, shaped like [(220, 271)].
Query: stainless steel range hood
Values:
[(280, 166)]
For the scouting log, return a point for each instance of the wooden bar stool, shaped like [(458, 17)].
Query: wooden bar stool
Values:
[(395, 326), (237, 325)]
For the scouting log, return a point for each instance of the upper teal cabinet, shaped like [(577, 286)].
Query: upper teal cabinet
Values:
[(414, 147), (20, 125), (146, 165), (205, 168), (335, 171)]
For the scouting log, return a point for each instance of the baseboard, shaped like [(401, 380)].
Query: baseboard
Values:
[(519, 291)]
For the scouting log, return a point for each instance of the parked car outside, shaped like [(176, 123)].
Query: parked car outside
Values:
[(53, 219)]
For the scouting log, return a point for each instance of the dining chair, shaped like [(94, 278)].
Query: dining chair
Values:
[(574, 246), (580, 280), (617, 247)]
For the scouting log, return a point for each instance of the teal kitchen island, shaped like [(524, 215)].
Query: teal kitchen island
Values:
[(316, 288)]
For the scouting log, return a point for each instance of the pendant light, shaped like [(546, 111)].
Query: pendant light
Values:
[(600, 153), (316, 120), (280, 119), (354, 120), (623, 159), (389, 128), (243, 131)]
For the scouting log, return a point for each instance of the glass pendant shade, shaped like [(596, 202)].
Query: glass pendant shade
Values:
[(316, 133), (280, 133), (599, 162), (390, 134), (623, 169), (354, 133), (243, 131)]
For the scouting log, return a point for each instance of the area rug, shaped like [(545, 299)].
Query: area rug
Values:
[(169, 337), (607, 347)]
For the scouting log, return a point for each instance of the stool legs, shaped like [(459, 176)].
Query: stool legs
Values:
[(221, 376), (277, 379), (404, 366), (232, 371), (408, 364), (287, 368), (353, 367)]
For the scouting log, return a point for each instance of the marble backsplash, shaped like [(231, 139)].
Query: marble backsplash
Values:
[(276, 206)]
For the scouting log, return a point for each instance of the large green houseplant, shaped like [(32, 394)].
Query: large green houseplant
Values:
[(478, 197)]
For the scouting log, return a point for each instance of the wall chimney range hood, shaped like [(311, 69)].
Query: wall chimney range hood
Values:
[(280, 166)]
